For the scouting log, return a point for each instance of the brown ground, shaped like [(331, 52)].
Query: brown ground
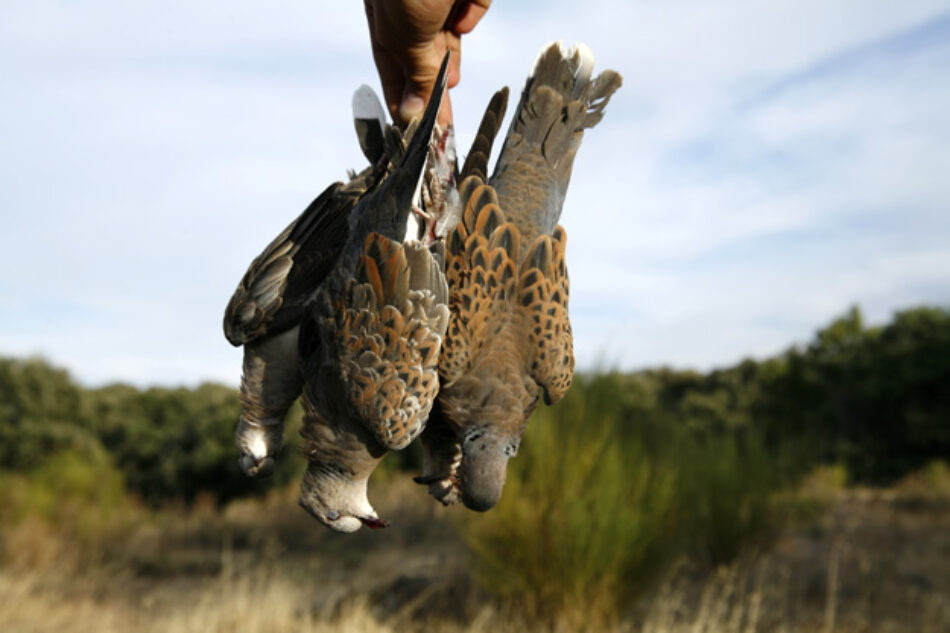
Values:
[(873, 560)]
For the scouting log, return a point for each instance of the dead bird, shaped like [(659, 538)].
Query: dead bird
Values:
[(371, 339), (509, 341)]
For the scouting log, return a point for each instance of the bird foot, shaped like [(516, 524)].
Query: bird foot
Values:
[(444, 489), (257, 467), (422, 215)]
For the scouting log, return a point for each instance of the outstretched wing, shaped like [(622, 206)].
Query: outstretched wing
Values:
[(383, 332)]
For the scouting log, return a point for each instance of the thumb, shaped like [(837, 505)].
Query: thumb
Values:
[(419, 84), (412, 105)]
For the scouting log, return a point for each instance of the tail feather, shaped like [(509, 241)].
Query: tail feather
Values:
[(476, 163), (559, 102), (413, 162)]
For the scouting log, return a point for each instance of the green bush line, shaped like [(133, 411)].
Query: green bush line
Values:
[(874, 399), (629, 473)]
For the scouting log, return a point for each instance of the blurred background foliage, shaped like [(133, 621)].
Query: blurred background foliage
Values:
[(629, 473)]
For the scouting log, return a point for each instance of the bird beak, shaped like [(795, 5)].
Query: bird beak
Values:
[(337, 502), (374, 523)]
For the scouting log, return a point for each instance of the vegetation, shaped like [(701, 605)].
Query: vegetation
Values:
[(627, 478), (875, 560), (601, 501)]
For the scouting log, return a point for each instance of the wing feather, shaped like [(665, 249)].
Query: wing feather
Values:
[(543, 292), (385, 328), (270, 297)]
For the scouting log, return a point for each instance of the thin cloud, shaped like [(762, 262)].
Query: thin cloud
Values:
[(763, 167)]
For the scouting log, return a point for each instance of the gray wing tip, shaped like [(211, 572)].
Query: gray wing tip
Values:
[(233, 332)]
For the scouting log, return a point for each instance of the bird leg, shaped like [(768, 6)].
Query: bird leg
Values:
[(442, 457), (270, 385)]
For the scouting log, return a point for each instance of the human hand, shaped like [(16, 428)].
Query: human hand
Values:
[(410, 38)]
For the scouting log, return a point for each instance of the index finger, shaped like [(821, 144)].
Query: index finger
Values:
[(469, 16)]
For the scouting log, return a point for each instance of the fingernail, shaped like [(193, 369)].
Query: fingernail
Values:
[(411, 106)]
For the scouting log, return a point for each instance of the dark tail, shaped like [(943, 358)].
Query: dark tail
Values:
[(414, 160), (476, 163), (387, 209)]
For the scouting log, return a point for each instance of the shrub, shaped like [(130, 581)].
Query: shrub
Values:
[(179, 443), (604, 493), (38, 410)]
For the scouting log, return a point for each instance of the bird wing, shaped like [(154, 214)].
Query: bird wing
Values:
[(543, 292), (492, 293), (271, 295), (482, 276), (381, 334)]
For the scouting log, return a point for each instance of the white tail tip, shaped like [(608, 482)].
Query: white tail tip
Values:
[(579, 56), (366, 105)]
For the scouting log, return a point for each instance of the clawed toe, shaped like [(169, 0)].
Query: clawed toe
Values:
[(259, 468), (443, 489)]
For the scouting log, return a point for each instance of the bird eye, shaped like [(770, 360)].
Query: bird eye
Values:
[(474, 435)]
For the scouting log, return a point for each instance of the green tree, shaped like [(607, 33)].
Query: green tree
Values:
[(38, 413)]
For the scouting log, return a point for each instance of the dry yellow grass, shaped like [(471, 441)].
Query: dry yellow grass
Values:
[(873, 563), (260, 603), (265, 603)]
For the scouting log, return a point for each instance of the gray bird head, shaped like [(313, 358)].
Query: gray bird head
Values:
[(337, 498), (489, 412), (484, 466)]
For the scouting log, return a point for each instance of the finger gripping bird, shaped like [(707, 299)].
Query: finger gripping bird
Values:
[(509, 340)]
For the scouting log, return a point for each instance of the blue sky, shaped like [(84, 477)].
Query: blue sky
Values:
[(765, 166)]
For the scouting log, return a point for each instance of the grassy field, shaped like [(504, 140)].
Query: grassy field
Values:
[(859, 560), (801, 493)]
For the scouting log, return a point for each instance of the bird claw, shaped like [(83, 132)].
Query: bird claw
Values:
[(258, 468), (422, 215), (443, 489)]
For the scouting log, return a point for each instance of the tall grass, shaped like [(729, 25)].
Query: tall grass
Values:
[(599, 500), (725, 493), (567, 550), (580, 511)]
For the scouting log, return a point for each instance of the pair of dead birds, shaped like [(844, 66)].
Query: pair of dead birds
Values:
[(400, 304)]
